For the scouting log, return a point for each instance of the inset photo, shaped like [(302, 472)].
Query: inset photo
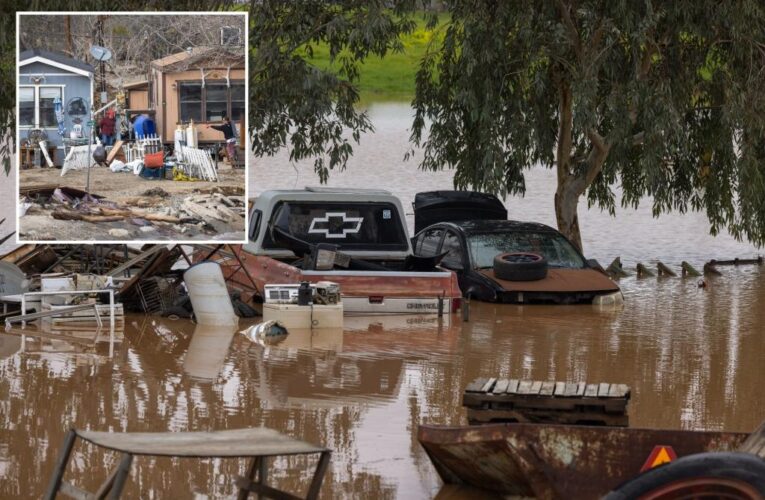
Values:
[(132, 126)]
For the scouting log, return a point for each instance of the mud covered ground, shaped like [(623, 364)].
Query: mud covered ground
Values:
[(149, 196)]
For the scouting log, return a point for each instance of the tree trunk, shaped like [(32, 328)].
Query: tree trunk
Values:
[(566, 202), (570, 187)]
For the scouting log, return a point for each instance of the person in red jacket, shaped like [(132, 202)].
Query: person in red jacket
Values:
[(106, 126)]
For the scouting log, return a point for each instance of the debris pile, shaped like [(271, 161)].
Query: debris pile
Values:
[(147, 280), (213, 212)]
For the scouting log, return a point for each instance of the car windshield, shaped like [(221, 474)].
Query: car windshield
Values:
[(552, 246)]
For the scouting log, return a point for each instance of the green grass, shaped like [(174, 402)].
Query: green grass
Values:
[(390, 78)]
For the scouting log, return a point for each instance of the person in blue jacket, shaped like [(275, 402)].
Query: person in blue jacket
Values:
[(144, 126)]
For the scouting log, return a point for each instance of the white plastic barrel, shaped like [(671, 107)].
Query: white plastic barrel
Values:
[(191, 135), (209, 295)]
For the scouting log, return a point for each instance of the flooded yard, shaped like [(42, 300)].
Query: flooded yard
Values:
[(692, 356)]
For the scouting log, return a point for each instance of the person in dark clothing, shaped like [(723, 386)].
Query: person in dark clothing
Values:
[(106, 125), (229, 134)]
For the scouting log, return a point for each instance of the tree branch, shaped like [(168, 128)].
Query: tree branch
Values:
[(566, 125), (565, 15), (597, 156)]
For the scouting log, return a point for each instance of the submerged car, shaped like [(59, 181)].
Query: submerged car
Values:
[(509, 261)]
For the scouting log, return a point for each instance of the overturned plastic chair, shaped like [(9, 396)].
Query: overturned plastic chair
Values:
[(257, 443)]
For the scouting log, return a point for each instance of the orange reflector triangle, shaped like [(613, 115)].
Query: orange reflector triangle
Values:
[(660, 454)]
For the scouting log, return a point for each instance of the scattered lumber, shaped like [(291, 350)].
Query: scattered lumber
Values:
[(64, 214), (114, 151)]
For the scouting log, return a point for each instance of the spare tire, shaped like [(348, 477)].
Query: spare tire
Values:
[(520, 266), (705, 475)]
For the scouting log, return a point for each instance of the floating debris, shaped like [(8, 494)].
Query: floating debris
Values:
[(266, 333)]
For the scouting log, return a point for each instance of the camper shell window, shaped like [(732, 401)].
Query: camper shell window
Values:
[(350, 225)]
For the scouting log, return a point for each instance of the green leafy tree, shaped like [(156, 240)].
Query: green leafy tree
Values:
[(663, 99), (296, 104)]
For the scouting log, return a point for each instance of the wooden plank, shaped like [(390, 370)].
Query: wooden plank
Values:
[(591, 391), (560, 388), (476, 385), (523, 402), (535, 387), (524, 387), (602, 390), (623, 390), (541, 416), (488, 385), (580, 389), (547, 389), (501, 386), (512, 387), (113, 152), (570, 390), (617, 391)]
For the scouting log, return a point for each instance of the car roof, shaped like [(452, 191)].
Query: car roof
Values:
[(485, 226)]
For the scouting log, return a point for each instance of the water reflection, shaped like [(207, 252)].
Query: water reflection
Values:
[(207, 350), (9, 345)]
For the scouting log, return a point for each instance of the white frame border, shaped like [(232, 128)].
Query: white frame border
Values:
[(246, 14)]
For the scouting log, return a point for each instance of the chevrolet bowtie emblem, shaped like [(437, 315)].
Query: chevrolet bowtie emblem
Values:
[(335, 225)]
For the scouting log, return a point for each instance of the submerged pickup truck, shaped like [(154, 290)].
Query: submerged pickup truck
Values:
[(357, 238)]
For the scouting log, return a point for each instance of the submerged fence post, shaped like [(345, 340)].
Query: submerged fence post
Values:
[(615, 269), (643, 271), (689, 270), (664, 270)]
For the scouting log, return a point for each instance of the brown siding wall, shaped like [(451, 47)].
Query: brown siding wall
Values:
[(138, 99), (171, 110)]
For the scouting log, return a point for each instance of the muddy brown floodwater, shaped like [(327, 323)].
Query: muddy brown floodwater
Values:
[(692, 356)]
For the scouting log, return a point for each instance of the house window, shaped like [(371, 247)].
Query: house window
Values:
[(213, 101), (216, 102), (46, 98), (27, 106), (37, 107), (190, 96), (237, 101)]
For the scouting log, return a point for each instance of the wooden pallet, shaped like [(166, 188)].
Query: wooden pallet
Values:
[(513, 400)]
